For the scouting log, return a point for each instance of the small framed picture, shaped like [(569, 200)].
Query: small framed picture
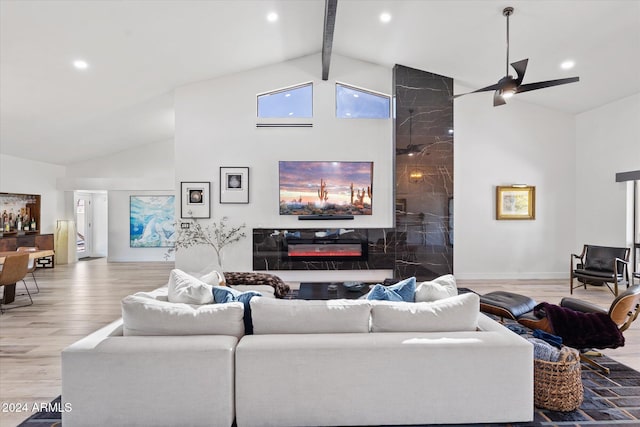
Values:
[(516, 202), (195, 200), (234, 185)]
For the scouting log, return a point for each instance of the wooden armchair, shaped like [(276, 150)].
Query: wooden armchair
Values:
[(600, 265), (14, 269)]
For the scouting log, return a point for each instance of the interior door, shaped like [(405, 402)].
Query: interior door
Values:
[(84, 226)]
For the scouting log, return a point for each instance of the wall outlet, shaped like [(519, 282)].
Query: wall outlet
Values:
[(185, 225)]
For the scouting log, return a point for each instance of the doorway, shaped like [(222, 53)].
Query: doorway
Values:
[(90, 210)]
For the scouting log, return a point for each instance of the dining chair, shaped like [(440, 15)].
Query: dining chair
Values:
[(32, 264), (14, 269)]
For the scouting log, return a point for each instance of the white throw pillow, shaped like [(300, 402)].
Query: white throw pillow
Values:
[(278, 316), (459, 313), (144, 315), (436, 289), (187, 289), (214, 278)]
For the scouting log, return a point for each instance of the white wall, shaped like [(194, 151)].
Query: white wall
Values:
[(216, 126), (119, 242), (100, 225), (149, 166), (514, 144), (146, 169), (607, 142), (19, 175)]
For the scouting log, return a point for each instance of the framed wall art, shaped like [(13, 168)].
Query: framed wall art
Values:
[(151, 221), (234, 185), (195, 200), (516, 202)]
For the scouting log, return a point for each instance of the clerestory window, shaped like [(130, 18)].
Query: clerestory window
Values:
[(357, 103), (293, 102)]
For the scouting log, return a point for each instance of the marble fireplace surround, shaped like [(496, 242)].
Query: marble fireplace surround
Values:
[(383, 251)]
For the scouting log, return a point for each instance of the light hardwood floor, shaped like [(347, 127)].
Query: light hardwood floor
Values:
[(76, 299)]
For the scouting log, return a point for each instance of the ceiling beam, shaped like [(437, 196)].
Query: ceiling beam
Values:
[(330, 7)]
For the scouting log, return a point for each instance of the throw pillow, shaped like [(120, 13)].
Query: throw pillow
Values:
[(223, 294), (437, 289), (214, 278), (401, 291), (184, 288)]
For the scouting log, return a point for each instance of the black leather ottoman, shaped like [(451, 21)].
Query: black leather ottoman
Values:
[(506, 304)]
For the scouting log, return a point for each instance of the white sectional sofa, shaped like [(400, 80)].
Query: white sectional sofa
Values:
[(308, 363)]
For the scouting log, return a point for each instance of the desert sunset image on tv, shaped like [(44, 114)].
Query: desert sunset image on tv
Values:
[(326, 188)]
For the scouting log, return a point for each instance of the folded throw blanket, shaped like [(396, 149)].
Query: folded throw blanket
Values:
[(554, 340), (581, 330)]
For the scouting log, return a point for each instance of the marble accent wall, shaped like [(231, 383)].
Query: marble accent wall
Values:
[(270, 249), (423, 132)]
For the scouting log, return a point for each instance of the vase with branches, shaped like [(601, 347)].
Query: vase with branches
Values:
[(217, 235)]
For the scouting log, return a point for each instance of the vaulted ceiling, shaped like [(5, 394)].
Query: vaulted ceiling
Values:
[(138, 51)]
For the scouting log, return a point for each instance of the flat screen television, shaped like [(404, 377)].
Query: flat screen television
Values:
[(325, 188)]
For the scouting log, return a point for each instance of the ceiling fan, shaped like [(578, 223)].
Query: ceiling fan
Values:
[(509, 86)]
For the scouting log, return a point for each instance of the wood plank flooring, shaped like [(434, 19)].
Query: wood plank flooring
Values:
[(76, 299)]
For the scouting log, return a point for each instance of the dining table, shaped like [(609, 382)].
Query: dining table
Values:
[(10, 290)]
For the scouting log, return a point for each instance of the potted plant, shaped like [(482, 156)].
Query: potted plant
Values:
[(217, 235)]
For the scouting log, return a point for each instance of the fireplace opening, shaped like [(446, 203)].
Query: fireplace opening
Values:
[(325, 250)]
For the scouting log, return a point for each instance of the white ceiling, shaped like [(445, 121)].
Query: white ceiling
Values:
[(139, 51)]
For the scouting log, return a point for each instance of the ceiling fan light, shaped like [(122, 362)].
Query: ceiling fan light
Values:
[(506, 94)]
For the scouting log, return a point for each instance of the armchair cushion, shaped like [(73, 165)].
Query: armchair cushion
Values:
[(602, 258)]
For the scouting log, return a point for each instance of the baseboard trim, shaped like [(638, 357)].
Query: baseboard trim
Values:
[(513, 276)]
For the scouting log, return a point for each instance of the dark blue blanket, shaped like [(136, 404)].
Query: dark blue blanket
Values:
[(581, 330)]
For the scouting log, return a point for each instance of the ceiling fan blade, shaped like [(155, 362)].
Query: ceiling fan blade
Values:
[(498, 99), (484, 89), (541, 85), (521, 68)]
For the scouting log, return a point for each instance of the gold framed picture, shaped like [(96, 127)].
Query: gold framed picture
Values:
[(516, 202)]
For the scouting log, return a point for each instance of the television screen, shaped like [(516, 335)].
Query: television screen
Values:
[(325, 188)]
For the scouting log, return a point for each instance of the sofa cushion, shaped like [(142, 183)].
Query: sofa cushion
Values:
[(142, 314), (266, 290), (277, 316), (436, 289), (223, 294), (401, 291), (458, 313), (187, 289)]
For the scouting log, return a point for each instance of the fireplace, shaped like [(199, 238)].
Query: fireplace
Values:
[(321, 249), (325, 250)]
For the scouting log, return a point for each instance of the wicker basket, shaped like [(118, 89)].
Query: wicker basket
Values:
[(558, 385)]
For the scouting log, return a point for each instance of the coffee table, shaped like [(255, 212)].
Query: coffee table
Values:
[(321, 291)]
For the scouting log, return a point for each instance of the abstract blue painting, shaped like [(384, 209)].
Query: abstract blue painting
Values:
[(152, 221)]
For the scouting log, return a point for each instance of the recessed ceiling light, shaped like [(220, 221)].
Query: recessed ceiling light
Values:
[(567, 65), (272, 17), (286, 95), (385, 17), (291, 113), (355, 95), (450, 130), (79, 64)]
